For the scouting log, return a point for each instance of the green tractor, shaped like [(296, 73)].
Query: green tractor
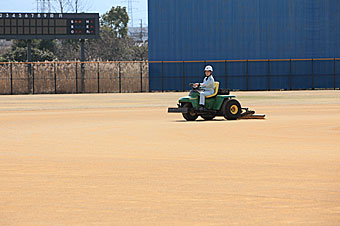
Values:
[(221, 103)]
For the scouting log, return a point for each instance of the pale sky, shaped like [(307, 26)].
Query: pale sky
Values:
[(97, 6)]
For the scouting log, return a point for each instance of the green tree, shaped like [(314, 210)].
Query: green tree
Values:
[(50, 45), (115, 48), (42, 50), (68, 49), (20, 55), (117, 19), (113, 35), (38, 44), (23, 44)]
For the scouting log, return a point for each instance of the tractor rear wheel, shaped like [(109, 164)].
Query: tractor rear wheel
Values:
[(231, 109), (190, 116)]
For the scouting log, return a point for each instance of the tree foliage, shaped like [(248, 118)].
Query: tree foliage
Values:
[(42, 50), (117, 19), (20, 55), (49, 45)]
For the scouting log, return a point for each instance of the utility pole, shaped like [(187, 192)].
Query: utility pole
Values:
[(141, 31), (41, 6), (49, 6), (130, 11)]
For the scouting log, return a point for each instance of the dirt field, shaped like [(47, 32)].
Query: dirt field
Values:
[(120, 159)]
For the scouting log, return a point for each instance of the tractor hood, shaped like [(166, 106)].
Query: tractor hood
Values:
[(187, 99)]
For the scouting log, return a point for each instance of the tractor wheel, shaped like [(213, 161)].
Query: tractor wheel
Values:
[(231, 109), (190, 116), (208, 117)]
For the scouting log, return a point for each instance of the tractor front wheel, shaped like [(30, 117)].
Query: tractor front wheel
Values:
[(231, 109), (190, 116), (208, 117)]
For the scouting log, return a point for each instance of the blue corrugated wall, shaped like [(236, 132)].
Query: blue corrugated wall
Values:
[(186, 30)]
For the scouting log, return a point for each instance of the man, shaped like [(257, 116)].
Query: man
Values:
[(208, 85)]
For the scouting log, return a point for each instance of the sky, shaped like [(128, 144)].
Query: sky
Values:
[(97, 6)]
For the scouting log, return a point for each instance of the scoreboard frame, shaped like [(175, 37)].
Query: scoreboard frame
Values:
[(27, 26)]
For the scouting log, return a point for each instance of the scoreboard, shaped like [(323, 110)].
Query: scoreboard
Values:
[(49, 25)]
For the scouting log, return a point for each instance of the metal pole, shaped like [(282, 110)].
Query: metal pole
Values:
[(51, 69), (76, 77), (226, 73), (82, 66), (162, 76), (268, 74), (183, 78), (32, 79), (247, 77), (29, 66), (290, 75), (55, 78), (313, 74), (141, 77), (98, 77), (11, 71), (120, 78), (29, 46)]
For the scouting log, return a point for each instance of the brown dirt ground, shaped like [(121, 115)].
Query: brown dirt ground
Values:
[(120, 159)]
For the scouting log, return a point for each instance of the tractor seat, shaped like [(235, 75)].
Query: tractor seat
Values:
[(217, 85)]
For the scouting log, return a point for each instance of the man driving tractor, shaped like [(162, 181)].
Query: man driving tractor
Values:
[(208, 85)]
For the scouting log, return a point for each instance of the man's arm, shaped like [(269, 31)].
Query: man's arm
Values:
[(208, 83)]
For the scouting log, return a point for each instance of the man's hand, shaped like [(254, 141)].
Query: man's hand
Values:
[(196, 85)]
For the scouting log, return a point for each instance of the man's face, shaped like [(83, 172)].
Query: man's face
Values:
[(207, 73)]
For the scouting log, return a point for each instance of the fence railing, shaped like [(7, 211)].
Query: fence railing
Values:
[(73, 77), (144, 76), (267, 74)]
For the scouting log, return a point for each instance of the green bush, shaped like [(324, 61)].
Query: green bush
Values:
[(20, 55), (2, 59)]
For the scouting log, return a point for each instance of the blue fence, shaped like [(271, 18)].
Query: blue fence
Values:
[(271, 74)]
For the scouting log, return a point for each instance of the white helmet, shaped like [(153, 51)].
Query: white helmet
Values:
[(208, 68)]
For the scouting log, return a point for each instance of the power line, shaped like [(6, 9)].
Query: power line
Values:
[(130, 11), (44, 6)]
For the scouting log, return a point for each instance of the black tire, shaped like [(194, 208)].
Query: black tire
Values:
[(231, 109), (208, 117), (190, 116)]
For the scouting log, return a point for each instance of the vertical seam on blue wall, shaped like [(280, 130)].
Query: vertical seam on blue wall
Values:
[(334, 74), (247, 76), (268, 74), (290, 75), (162, 76), (183, 78), (226, 74), (312, 73)]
